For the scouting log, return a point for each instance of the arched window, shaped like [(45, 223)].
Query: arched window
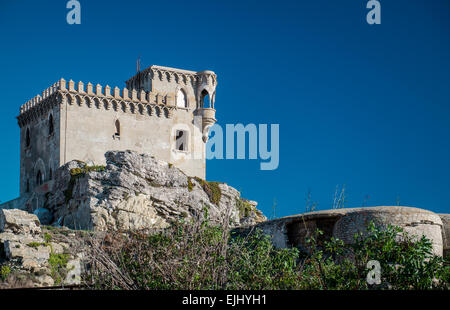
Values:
[(117, 125), (27, 186), (181, 99), (50, 174), (205, 100), (27, 138), (39, 180), (181, 142), (50, 124)]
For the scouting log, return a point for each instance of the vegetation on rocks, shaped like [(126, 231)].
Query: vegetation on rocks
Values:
[(202, 256), (244, 207), (85, 169), (136, 191), (36, 244), (190, 185), (4, 272), (212, 189), (58, 264), (76, 173), (49, 255)]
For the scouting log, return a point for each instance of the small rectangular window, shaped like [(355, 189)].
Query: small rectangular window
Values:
[(181, 140)]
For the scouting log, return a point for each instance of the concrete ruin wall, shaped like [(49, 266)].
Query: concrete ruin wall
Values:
[(446, 233), (344, 223)]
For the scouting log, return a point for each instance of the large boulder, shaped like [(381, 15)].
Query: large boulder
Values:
[(18, 221), (137, 191), (34, 255)]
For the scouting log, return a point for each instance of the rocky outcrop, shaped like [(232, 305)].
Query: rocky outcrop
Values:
[(18, 229), (137, 191), (344, 223), (32, 257)]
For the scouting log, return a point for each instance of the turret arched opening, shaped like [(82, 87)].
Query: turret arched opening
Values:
[(181, 99), (205, 99)]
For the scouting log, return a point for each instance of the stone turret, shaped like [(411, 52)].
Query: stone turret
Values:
[(206, 93), (198, 89)]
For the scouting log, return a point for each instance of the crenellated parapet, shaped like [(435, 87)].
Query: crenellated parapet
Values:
[(39, 105), (167, 74), (99, 97)]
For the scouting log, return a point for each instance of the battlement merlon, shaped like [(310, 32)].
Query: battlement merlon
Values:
[(63, 87), (156, 78), (153, 71), (164, 87), (202, 81), (130, 101)]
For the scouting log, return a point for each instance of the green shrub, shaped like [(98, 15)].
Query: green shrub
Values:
[(85, 169), (255, 264), (200, 256), (244, 207), (190, 185), (58, 264), (4, 272), (34, 244), (47, 237), (405, 263), (212, 189)]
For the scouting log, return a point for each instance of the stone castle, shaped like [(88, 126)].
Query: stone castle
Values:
[(150, 140), (162, 111)]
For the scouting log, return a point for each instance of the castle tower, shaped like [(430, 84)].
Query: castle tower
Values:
[(162, 111)]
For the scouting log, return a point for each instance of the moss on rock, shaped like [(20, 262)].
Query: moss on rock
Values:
[(212, 189), (244, 207)]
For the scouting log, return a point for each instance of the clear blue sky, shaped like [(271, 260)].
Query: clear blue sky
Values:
[(365, 106)]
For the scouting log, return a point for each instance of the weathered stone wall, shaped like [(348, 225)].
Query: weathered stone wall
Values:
[(43, 153), (18, 203), (89, 132), (344, 223)]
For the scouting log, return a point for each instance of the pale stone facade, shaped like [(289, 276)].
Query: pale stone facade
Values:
[(164, 112)]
